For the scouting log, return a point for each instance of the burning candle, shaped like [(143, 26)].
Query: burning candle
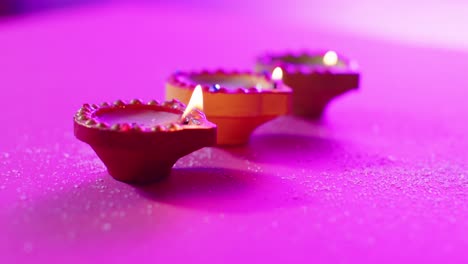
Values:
[(139, 143), (277, 76), (315, 78), (330, 58), (237, 102)]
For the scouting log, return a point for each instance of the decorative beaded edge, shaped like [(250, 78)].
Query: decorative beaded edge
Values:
[(177, 79), (88, 113), (275, 60)]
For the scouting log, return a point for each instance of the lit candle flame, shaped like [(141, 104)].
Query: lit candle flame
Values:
[(196, 101), (330, 58), (277, 74)]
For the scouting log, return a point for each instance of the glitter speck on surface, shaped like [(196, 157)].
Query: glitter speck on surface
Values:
[(28, 247), (106, 227)]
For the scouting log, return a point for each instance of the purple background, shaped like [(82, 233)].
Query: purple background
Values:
[(382, 178)]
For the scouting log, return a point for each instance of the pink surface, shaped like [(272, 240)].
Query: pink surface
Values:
[(384, 177)]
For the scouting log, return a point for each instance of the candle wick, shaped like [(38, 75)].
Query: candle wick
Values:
[(184, 120)]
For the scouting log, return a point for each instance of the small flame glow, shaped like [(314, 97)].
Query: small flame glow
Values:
[(330, 58), (196, 101), (277, 74)]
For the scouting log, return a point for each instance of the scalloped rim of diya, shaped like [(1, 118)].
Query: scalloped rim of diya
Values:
[(185, 80), (237, 111), (297, 62), (247, 98), (87, 116), (145, 148)]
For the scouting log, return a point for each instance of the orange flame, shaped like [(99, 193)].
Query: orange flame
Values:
[(196, 101), (277, 74), (330, 58)]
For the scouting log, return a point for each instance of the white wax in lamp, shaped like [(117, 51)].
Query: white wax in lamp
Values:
[(142, 117), (230, 82), (329, 59), (234, 83)]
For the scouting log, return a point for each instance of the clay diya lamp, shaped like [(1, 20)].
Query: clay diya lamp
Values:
[(316, 78), (237, 102), (140, 142)]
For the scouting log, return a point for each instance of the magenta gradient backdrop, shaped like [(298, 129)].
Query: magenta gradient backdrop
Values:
[(383, 178)]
